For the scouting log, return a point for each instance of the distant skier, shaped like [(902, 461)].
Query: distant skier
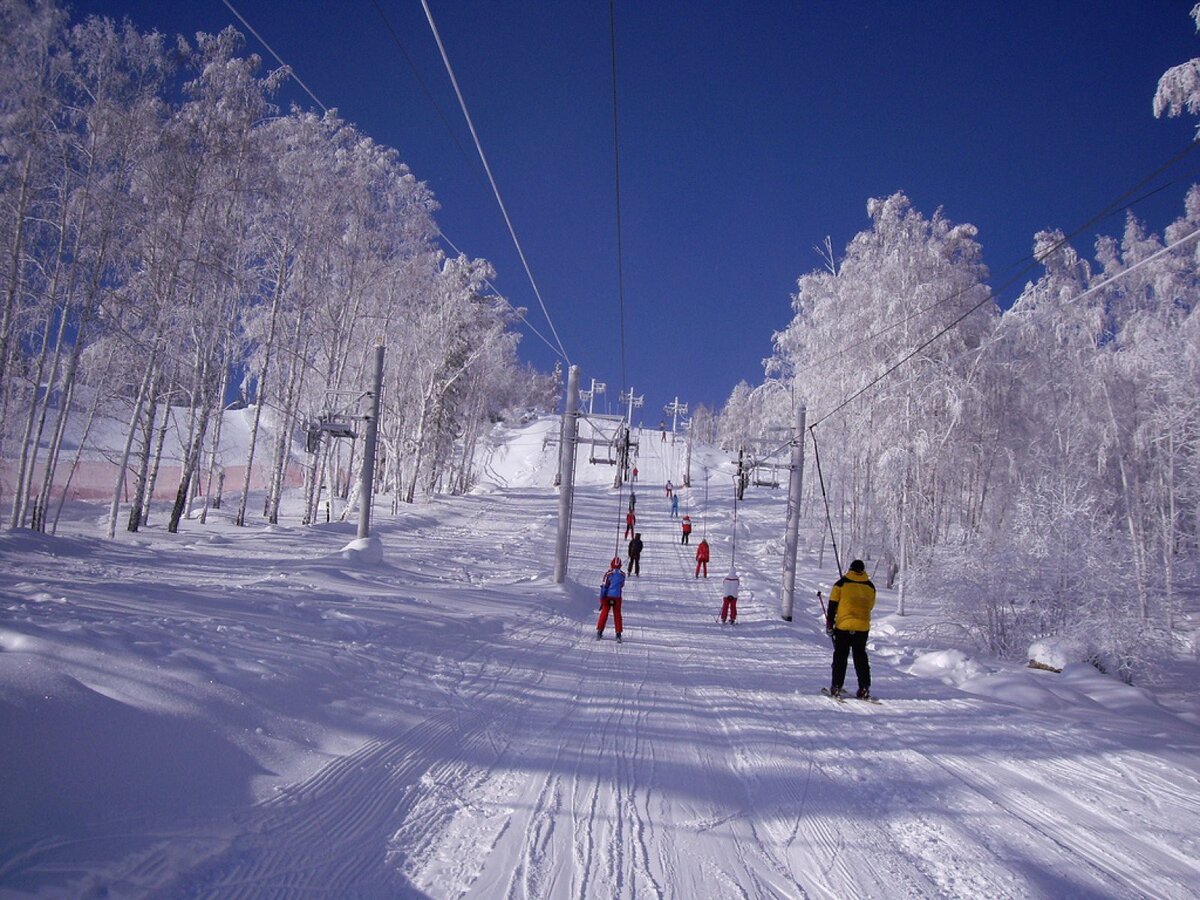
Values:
[(610, 598), (630, 521), (635, 555), (662, 426), (632, 501), (670, 489), (729, 588), (635, 473), (674, 506), (702, 558), (687, 528), (848, 621)]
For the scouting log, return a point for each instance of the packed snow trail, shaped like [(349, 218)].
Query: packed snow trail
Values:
[(446, 724)]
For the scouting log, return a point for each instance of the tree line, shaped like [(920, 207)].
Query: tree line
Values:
[(1031, 473), (171, 239)]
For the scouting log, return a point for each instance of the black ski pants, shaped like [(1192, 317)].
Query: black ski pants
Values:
[(635, 565), (845, 642)]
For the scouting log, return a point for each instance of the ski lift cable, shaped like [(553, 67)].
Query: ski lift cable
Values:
[(429, 96), (1107, 281), (825, 496), (733, 548), (1029, 262), (960, 318), (278, 59), (495, 189), (424, 87), (620, 506), (1026, 264), (516, 311), (812, 428), (612, 38)]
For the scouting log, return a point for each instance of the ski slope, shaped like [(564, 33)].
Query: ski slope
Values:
[(261, 712)]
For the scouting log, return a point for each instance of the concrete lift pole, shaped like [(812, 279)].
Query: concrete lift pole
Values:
[(792, 538), (367, 485), (566, 490)]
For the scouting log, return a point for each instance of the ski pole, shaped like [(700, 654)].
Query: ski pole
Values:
[(825, 615)]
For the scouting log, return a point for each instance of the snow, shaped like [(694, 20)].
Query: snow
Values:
[(284, 711)]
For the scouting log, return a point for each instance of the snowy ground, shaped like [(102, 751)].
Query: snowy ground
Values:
[(254, 712)]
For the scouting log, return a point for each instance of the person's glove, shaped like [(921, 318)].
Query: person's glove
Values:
[(828, 628)]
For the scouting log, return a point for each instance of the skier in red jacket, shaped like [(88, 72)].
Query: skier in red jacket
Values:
[(687, 529), (630, 521), (702, 558)]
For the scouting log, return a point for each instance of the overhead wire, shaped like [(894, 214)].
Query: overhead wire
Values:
[(1033, 261), (612, 38), (424, 87), (828, 514), (1026, 264), (487, 168), (387, 23), (278, 59), (960, 318), (1107, 281), (1104, 283), (445, 120), (516, 310), (733, 545)]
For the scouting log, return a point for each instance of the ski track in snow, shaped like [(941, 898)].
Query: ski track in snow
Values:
[(487, 745)]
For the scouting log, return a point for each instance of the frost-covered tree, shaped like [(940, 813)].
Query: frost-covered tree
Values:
[(893, 467), (1179, 87), (170, 240)]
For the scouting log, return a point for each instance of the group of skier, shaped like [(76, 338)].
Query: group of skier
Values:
[(847, 619), (613, 584)]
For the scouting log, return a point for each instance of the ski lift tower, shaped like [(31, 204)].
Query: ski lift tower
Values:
[(676, 409), (598, 387), (631, 403), (341, 425)]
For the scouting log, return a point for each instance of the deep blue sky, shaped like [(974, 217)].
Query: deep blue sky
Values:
[(749, 132)]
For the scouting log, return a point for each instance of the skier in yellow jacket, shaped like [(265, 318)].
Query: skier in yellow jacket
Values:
[(848, 622)]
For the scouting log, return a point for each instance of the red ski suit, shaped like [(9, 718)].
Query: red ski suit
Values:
[(702, 558), (610, 596)]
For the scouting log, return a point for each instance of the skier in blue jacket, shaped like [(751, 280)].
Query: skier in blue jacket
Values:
[(610, 597)]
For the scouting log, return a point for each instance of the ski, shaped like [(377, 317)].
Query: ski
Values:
[(825, 691), (870, 700)]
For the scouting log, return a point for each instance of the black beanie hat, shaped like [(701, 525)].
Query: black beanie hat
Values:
[(857, 566)]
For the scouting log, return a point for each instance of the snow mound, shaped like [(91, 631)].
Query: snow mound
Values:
[(951, 666), (1055, 652), (368, 550)]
